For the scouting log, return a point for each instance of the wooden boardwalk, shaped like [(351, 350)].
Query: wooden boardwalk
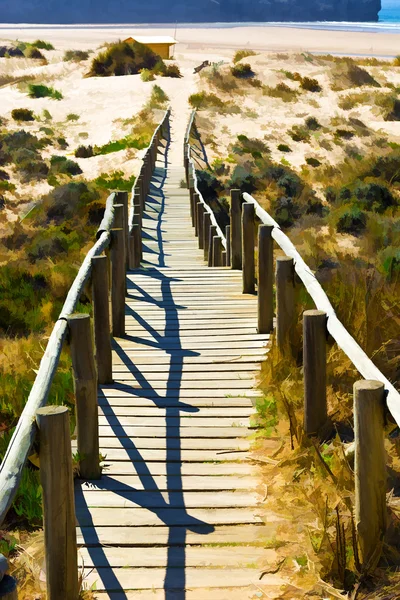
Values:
[(175, 514)]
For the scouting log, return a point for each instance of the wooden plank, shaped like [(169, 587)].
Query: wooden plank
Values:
[(121, 483), (198, 534), (184, 376), (124, 391), (238, 556), (221, 367), (175, 443), (180, 469), (150, 500), (137, 517), (149, 455), (131, 401), (179, 432), (132, 579), (239, 593), (153, 411)]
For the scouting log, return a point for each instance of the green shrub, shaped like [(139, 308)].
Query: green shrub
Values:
[(32, 52), (63, 165), (344, 133), (285, 210), (396, 61), (239, 54), (312, 124), (310, 85), (72, 117), (203, 100), (393, 110), (22, 114), (257, 148), (282, 91), (351, 220), (158, 97), (299, 133), (75, 55), (123, 58), (313, 162), (242, 71), (347, 74), (147, 75), (42, 91), (42, 45), (172, 70), (389, 262), (284, 148), (115, 181), (84, 152)]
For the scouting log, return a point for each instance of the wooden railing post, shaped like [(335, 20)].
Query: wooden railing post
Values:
[(101, 313), (117, 252), (135, 243), (206, 233), (265, 279), (285, 310), (191, 196), (236, 229), (248, 262), (142, 196), (314, 361), (58, 503), (217, 251), (119, 217), (196, 199), (200, 225), (212, 234), (137, 207), (228, 245), (122, 198), (85, 387), (224, 258), (369, 471)]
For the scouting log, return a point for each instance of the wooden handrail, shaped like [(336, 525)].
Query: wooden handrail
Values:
[(192, 172), (344, 340), (23, 437)]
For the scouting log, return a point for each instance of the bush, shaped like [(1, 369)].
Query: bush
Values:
[(42, 45), (42, 91), (282, 91), (374, 196), (242, 54), (32, 52), (72, 117), (172, 71), (284, 148), (158, 97), (347, 74), (351, 220), (313, 162), (123, 58), (242, 71), (75, 55), (312, 124), (62, 165), (146, 75), (310, 85), (344, 133), (299, 133), (204, 100), (393, 112), (285, 211), (84, 152), (115, 181), (257, 148), (22, 114)]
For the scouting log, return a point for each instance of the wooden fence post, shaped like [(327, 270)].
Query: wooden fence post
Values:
[(191, 196), (228, 245), (369, 471), (200, 225), (85, 387), (122, 198), (119, 217), (58, 503), (236, 229), (196, 199), (135, 243), (248, 248), (212, 234), (285, 311), (224, 258), (101, 313), (314, 361), (217, 251), (206, 233), (117, 252), (265, 279)]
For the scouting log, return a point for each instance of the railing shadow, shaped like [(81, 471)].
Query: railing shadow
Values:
[(170, 512)]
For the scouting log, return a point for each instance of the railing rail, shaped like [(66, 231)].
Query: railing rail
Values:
[(344, 340), (23, 437), (192, 182)]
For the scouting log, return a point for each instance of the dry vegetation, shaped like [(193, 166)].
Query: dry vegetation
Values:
[(330, 177)]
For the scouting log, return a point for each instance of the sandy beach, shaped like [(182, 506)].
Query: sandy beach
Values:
[(214, 39)]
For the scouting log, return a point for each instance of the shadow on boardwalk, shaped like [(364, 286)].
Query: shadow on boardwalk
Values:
[(171, 513)]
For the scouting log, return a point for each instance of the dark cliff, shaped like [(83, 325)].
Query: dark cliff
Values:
[(197, 11)]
